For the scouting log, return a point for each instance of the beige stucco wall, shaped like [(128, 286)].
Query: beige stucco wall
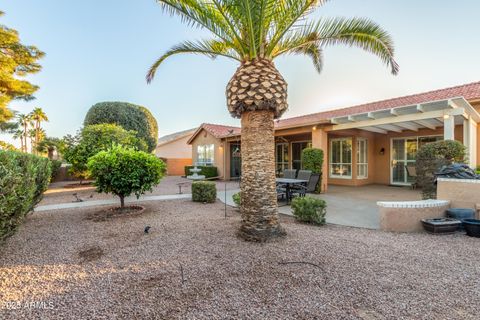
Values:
[(203, 138), (178, 149), (405, 219), (461, 193)]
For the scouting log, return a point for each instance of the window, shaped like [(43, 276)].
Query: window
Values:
[(341, 158), (297, 148), (205, 154), (362, 158), (281, 157)]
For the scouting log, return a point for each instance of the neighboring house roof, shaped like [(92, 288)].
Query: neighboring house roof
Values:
[(470, 91), (216, 130), (175, 136)]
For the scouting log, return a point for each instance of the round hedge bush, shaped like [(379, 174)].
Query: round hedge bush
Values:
[(431, 158), (127, 115), (124, 171)]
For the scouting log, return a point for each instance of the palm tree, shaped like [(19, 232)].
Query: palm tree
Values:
[(254, 33), (38, 116), (18, 134), (24, 121), (49, 145)]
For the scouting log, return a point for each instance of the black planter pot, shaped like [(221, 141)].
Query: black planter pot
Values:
[(461, 214), (441, 225), (472, 226)]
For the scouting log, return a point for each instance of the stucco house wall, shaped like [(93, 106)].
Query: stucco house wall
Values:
[(205, 138), (178, 149)]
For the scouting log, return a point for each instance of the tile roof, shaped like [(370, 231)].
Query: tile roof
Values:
[(220, 131), (469, 91), (175, 136)]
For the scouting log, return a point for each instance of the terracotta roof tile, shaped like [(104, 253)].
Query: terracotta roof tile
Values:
[(469, 91), (221, 131)]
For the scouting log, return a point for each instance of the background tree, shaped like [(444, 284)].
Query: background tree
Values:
[(18, 135), (16, 61), (37, 116), (93, 139), (49, 145), (127, 115), (124, 171), (24, 122), (254, 33)]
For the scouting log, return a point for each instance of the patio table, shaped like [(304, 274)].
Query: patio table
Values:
[(288, 183)]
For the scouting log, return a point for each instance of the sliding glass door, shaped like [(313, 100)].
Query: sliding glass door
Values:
[(404, 154)]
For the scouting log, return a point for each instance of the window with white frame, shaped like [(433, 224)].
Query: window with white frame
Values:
[(205, 154), (362, 158), (341, 158)]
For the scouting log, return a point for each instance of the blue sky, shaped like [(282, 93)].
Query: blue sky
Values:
[(101, 50)]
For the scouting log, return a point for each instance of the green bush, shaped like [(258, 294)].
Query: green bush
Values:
[(56, 164), (310, 210), (93, 139), (207, 171), (237, 199), (123, 171), (478, 170), (204, 191), (312, 159), (23, 179), (431, 158), (127, 115)]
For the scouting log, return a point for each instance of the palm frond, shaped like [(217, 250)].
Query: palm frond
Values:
[(210, 48), (358, 32)]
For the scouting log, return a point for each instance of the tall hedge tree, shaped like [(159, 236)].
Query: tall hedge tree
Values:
[(253, 33), (93, 139), (127, 115), (16, 62)]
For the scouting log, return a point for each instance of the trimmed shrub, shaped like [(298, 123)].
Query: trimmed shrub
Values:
[(124, 171), (312, 159), (207, 171), (23, 179), (204, 191), (56, 164), (237, 199), (93, 139), (310, 210), (127, 115), (431, 158)]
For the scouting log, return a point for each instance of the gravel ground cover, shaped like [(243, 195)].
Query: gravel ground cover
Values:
[(58, 194), (64, 265)]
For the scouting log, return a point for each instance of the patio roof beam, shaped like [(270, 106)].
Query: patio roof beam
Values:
[(407, 125), (390, 127), (374, 129), (426, 124), (402, 118)]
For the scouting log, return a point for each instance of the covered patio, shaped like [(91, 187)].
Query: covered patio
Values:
[(357, 206)]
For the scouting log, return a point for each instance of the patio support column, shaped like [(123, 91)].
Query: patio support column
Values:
[(470, 140), (320, 141), (448, 127)]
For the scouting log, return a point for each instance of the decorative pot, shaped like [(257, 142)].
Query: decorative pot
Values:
[(461, 214), (472, 226), (441, 225)]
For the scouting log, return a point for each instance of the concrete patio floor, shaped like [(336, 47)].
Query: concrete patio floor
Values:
[(352, 206)]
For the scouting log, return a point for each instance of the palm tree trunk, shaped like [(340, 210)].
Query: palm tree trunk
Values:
[(258, 189), (25, 135)]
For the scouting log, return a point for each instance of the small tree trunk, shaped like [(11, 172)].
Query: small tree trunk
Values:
[(122, 201), (258, 186)]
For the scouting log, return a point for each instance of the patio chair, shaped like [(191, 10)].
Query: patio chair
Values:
[(412, 173), (289, 173), (313, 182), (304, 175)]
